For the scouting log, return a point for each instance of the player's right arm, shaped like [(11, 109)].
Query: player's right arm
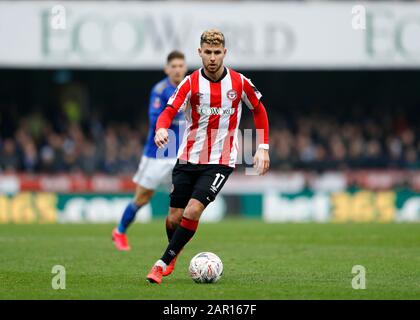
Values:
[(175, 102)]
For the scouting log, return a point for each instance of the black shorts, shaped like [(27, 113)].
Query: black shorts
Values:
[(198, 181)]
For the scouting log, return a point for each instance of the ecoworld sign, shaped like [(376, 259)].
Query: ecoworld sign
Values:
[(393, 37), (263, 35)]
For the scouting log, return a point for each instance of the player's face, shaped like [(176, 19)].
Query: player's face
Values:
[(176, 70), (212, 56)]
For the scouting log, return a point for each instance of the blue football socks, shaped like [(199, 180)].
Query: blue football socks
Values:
[(128, 217)]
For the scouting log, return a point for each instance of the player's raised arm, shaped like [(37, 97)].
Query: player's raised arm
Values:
[(252, 98), (175, 102)]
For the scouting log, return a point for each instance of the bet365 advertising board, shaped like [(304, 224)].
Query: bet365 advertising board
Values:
[(356, 205)]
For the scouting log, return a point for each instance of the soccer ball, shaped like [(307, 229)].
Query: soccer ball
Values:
[(206, 267)]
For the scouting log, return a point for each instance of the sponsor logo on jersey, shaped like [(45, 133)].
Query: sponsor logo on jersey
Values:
[(231, 94), (208, 111)]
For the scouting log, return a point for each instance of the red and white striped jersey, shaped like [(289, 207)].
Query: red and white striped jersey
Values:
[(213, 111)]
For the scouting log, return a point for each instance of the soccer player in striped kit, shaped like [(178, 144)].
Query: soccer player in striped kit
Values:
[(214, 95)]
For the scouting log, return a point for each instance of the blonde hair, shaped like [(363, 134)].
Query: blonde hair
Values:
[(212, 37)]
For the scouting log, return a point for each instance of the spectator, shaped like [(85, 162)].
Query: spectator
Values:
[(9, 158)]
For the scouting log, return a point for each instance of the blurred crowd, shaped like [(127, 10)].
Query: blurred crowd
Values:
[(303, 141), (37, 147), (326, 141)]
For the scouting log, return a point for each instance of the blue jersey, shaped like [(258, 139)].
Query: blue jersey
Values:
[(159, 97)]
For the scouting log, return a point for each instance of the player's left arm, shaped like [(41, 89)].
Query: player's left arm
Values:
[(252, 98)]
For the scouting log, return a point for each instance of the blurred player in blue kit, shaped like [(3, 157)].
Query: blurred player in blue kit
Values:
[(156, 165)]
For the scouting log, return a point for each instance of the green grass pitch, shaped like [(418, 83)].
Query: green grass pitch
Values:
[(261, 261)]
